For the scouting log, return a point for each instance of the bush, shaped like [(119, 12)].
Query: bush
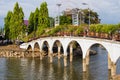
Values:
[(79, 30)]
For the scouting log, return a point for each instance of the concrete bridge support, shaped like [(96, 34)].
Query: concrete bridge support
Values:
[(109, 63), (51, 57), (49, 54), (59, 48), (84, 65), (85, 62), (65, 60), (41, 54), (113, 70), (33, 54), (71, 52), (87, 57)]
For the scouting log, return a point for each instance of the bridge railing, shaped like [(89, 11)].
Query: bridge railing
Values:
[(115, 37)]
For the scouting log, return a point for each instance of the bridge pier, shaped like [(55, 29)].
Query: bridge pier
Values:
[(84, 65), (59, 48), (49, 54), (33, 54), (65, 60), (87, 58), (51, 57), (71, 52), (109, 63), (85, 62), (41, 56), (113, 70)]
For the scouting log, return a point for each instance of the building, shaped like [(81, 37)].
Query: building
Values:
[(75, 14)]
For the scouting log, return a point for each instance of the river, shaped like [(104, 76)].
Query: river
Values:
[(35, 69)]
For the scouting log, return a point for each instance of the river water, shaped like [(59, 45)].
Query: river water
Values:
[(35, 69)]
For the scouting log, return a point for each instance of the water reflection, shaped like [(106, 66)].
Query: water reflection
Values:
[(13, 71), (35, 69), (2, 68)]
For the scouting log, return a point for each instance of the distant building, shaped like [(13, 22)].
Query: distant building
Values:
[(74, 13), (26, 22)]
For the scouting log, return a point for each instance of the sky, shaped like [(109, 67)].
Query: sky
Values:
[(108, 10)]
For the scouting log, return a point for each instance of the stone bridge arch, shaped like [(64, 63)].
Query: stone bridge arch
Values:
[(112, 47), (36, 49), (72, 44), (57, 47), (29, 47), (92, 51), (45, 47)]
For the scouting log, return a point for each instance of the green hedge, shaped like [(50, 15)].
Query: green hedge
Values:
[(104, 28)]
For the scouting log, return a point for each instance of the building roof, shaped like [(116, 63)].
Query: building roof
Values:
[(26, 22)]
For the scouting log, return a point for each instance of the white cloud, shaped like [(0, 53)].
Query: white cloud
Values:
[(107, 9)]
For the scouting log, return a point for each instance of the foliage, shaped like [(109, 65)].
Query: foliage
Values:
[(79, 30), (31, 23), (39, 20), (65, 20), (43, 20), (55, 30), (94, 17), (7, 20), (35, 20), (1, 30), (92, 28), (51, 20), (39, 31), (15, 22), (104, 28)]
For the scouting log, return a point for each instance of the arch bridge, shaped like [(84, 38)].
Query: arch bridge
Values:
[(63, 43)]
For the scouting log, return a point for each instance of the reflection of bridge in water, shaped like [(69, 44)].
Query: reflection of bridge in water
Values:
[(65, 45)]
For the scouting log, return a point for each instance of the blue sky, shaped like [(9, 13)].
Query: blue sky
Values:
[(108, 10)]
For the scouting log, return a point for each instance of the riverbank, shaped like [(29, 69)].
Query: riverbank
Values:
[(16, 51), (12, 51)]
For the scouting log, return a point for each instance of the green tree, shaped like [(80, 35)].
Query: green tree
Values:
[(36, 15), (16, 23), (51, 21), (31, 23), (65, 20), (43, 20), (94, 17), (43, 16), (7, 24)]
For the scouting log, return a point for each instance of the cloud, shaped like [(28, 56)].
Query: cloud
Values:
[(107, 9)]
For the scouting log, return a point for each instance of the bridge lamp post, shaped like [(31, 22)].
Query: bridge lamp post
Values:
[(80, 12), (89, 13), (58, 13)]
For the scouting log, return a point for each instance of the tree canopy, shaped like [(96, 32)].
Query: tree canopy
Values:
[(43, 16), (39, 20), (14, 23)]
